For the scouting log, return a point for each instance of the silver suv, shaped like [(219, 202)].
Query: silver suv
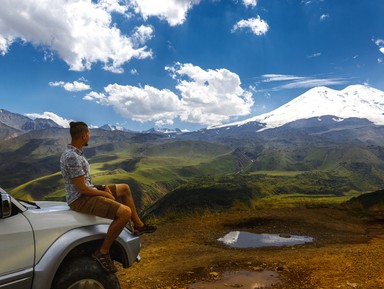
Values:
[(45, 245)]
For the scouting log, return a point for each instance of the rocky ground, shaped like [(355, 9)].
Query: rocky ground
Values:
[(347, 252)]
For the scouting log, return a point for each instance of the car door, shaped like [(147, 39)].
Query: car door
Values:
[(16, 252)]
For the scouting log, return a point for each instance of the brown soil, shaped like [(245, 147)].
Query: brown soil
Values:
[(348, 251)]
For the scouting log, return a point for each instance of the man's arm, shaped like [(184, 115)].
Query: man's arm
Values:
[(79, 183)]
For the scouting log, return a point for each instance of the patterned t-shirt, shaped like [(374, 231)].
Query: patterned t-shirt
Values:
[(74, 164)]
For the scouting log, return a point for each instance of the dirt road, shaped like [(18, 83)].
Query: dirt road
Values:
[(347, 252)]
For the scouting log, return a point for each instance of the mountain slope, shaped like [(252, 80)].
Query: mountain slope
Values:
[(356, 101), (14, 124)]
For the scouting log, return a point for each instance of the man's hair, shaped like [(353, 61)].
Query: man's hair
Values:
[(76, 128)]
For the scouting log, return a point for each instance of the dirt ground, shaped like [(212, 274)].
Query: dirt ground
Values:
[(347, 252)]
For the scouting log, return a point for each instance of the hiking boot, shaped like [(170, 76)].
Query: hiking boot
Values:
[(105, 262), (144, 229)]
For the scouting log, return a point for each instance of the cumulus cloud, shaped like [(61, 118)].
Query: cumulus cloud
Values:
[(140, 104), (80, 32), (210, 96), (52, 116), (206, 97), (257, 25), (71, 86), (173, 11), (252, 3)]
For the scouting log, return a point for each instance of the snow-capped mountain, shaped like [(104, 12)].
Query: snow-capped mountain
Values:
[(110, 127), (358, 101), (164, 131)]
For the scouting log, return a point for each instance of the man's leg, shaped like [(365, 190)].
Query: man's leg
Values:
[(123, 215), (124, 192), (120, 214)]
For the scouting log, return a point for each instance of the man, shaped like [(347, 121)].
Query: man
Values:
[(82, 196)]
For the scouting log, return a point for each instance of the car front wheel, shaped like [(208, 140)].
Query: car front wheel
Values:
[(83, 273)]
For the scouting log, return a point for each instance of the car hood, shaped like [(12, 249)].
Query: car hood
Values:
[(52, 219), (48, 204)]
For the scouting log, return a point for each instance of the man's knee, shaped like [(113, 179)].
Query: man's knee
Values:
[(125, 189), (124, 212)]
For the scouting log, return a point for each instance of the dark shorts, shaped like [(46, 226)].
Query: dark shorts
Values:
[(96, 205)]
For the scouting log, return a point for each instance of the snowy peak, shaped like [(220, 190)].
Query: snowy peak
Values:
[(110, 127), (358, 101)]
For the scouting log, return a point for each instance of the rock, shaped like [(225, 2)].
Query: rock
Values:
[(214, 275)]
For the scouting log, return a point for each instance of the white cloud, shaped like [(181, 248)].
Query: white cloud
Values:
[(207, 97), (140, 104), (280, 77), (113, 6), (293, 81), (134, 71), (173, 11), (50, 115), (142, 34), (379, 42), (324, 17), (252, 3), (71, 86), (210, 96), (309, 83), (80, 32), (256, 25), (317, 54)]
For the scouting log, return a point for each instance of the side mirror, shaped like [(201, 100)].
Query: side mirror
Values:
[(5, 206)]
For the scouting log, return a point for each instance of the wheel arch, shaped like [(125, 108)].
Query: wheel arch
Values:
[(82, 241)]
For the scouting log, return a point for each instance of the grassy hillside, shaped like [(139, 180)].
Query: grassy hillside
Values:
[(197, 174), (49, 187), (151, 171), (245, 191)]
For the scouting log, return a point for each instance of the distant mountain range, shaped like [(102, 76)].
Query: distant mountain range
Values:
[(355, 101), (13, 124), (334, 138)]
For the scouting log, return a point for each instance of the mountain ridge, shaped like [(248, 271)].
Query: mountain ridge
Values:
[(358, 101), (354, 101), (14, 124)]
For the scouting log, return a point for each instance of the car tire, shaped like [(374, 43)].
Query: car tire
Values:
[(84, 272)]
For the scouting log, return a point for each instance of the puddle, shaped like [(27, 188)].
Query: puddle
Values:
[(240, 239), (241, 279)]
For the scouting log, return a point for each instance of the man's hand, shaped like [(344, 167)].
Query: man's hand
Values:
[(110, 195), (80, 184)]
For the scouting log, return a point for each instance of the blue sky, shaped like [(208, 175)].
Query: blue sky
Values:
[(188, 64)]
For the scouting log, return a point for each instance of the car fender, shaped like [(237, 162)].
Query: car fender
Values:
[(47, 266)]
